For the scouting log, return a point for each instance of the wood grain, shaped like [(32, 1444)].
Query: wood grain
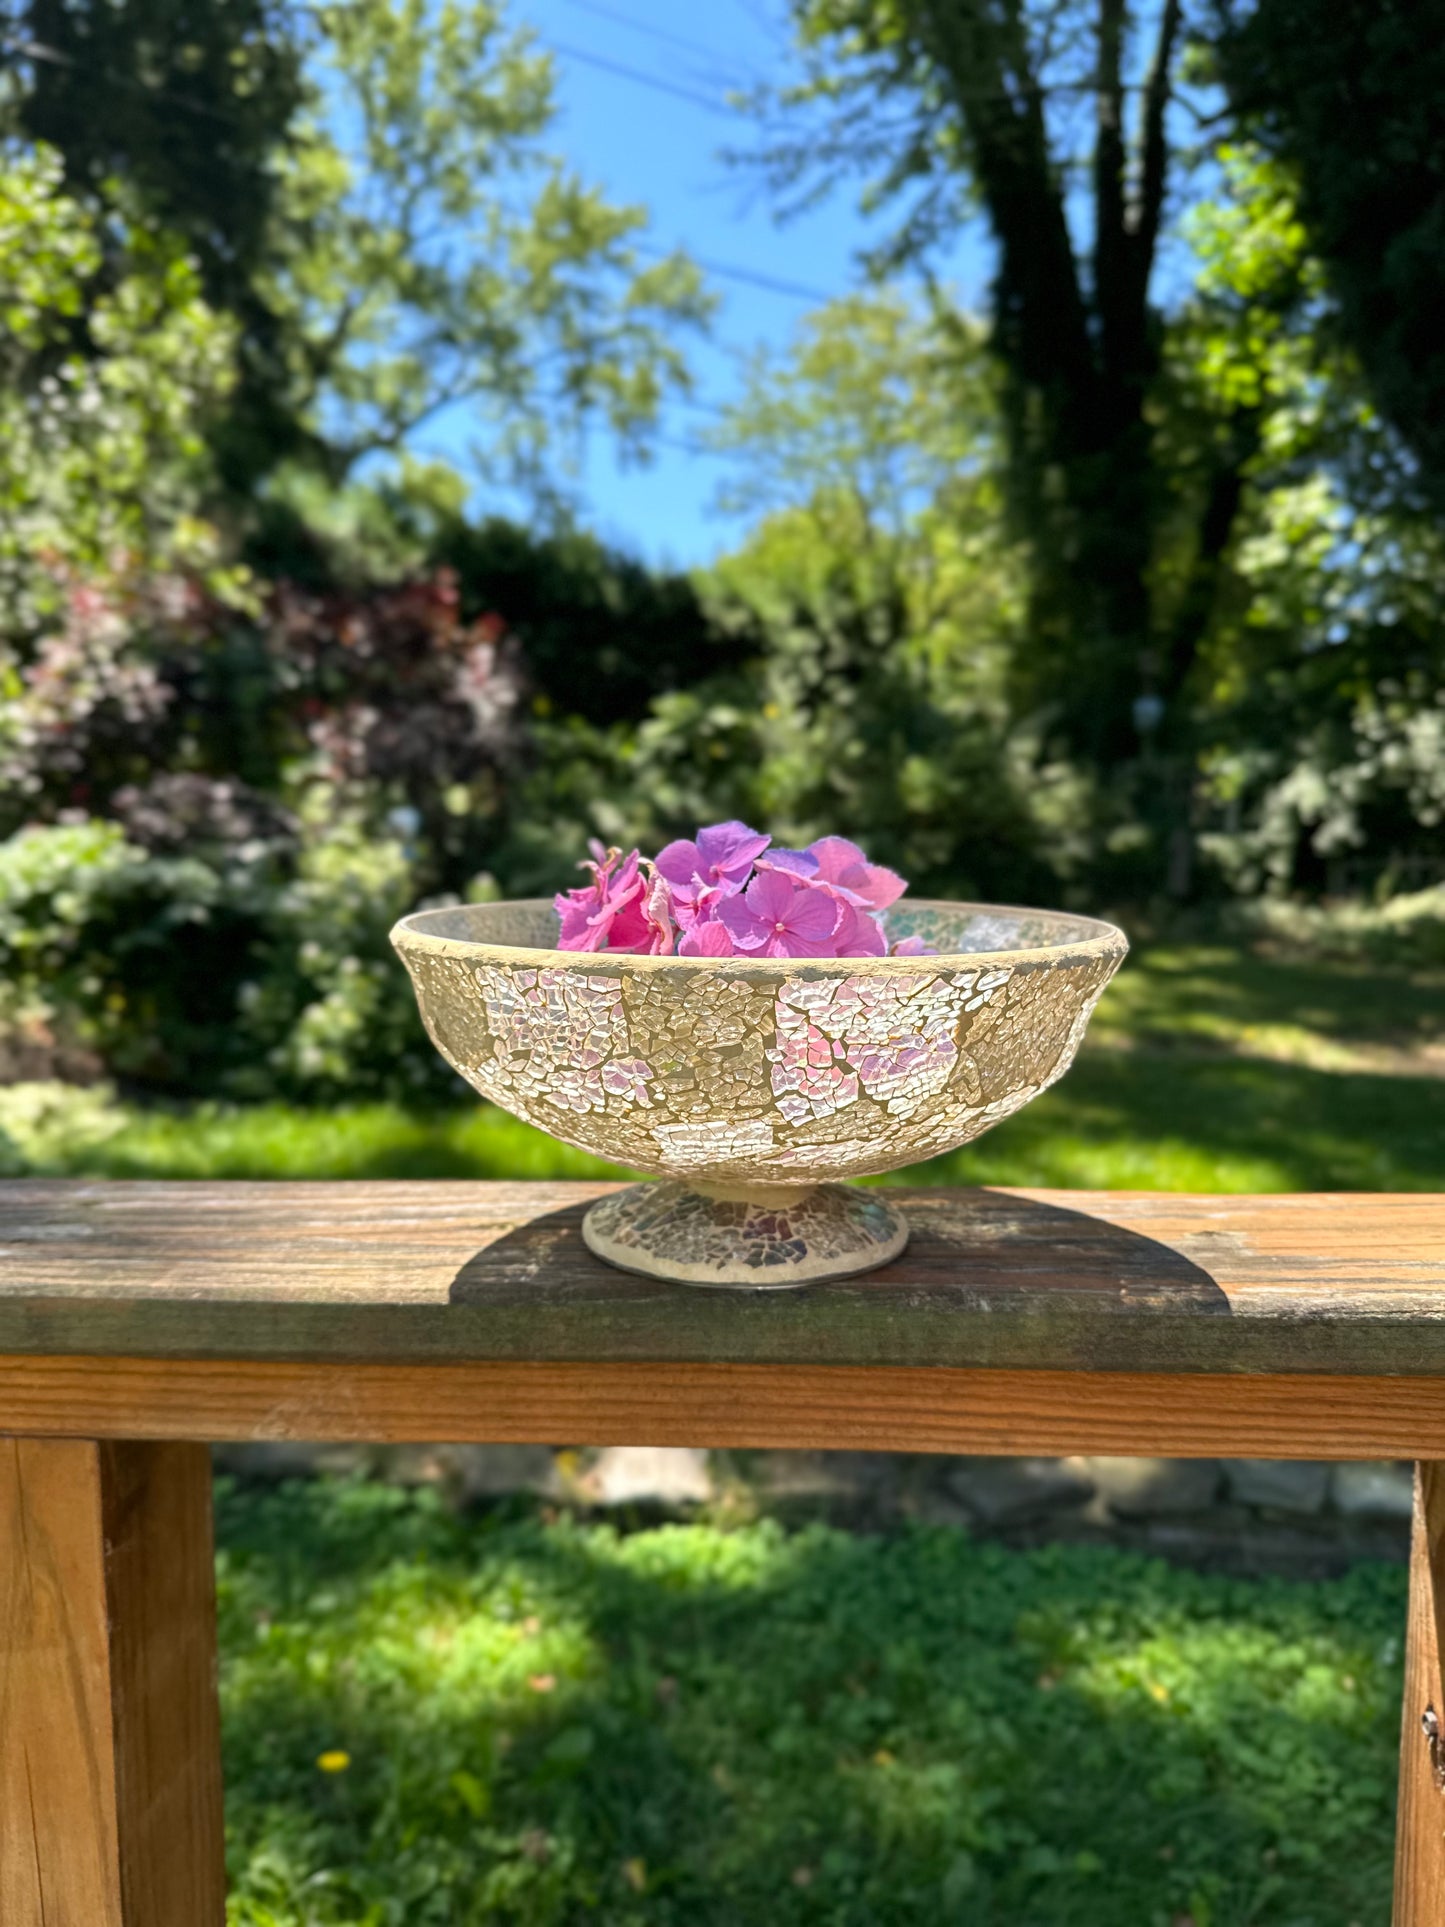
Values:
[(160, 1572), (1420, 1830), (110, 1808), (1036, 1280), (881, 1408), (59, 1853)]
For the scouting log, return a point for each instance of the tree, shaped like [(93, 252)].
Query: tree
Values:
[(111, 362), (888, 599), (430, 253), (185, 101), (954, 104), (1349, 98), (1320, 710), (366, 191)]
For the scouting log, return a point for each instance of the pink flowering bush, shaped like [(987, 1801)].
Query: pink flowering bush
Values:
[(728, 893)]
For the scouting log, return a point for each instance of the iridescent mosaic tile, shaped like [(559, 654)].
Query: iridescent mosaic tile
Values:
[(761, 1075)]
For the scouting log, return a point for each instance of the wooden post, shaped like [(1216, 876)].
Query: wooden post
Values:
[(110, 1777), (1420, 1834)]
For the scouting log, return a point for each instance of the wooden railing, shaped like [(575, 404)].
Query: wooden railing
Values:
[(137, 1320)]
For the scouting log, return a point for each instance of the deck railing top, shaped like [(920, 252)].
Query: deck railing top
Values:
[(417, 1272)]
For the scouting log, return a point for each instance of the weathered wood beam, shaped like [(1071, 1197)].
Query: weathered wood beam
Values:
[(422, 1274), (110, 1769), (1420, 1831), (872, 1408)]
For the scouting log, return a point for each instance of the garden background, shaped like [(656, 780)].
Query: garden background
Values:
[(1118, 584)]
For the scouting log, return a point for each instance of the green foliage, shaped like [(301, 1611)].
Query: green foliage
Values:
[(705, 1726), (111, 363), (135, 958), (882, 605), (45, 1123), (946, 108), (183, 101), (1374, 203), (878, 411), (324, 1010), (1317, 732), (233, 971), (427, 252), (600, 635), (365, 192)]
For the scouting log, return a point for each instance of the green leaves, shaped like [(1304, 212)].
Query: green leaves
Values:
[(428, 253), (110, 366)]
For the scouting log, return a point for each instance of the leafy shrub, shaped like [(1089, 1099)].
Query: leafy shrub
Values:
[(1404, 930), (602, 636), (874, 706), (232, 969), (136, 958), (49, 1123), (111, 365), (389, 696), (1368, 776)]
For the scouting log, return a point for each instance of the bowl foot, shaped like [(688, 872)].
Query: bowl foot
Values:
[(699, 1235)]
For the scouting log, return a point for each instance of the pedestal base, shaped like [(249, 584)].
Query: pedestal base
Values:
[(764, 1241)]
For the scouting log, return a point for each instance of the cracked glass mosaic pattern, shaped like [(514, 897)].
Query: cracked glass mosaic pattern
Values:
[(833, 1227), (784, 1072)]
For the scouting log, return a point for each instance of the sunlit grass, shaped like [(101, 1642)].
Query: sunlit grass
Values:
[(692, 1727)]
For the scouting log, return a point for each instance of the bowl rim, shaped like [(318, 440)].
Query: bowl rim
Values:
[(410, 934)]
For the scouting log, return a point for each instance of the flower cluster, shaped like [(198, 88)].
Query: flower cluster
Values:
[(729, 893)]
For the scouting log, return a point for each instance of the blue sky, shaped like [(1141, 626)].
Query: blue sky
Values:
[(644, 144)]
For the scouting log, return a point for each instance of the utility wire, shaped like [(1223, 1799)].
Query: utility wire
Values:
[(623, 72), (750, 277), (53, 56), (645, 27)]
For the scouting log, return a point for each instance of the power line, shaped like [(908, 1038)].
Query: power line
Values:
[(624, 72), (750, 277), (645, 27)]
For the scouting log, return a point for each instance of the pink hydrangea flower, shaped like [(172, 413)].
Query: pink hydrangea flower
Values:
[(844, 864), (723, 854), (729, 892), (699, 906), (781, 916), (657, 909), (858, 934), (795, 863), (609, 913), (705, 939)]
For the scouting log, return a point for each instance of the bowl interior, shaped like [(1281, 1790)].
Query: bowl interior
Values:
[(954, 929)]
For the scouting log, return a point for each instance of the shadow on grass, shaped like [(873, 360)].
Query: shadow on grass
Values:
[(555, 1723)]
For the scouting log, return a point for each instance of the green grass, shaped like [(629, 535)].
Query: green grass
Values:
[(697, 1727), (1206, 1069)]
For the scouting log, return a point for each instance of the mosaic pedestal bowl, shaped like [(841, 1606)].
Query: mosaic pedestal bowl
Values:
[(751, 1087)]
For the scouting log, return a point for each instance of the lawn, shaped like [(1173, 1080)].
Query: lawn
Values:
[(433, 1720), (1206, 1069)]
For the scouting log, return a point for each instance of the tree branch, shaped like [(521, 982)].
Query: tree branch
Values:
[(1154, 149), (1041, 327), (1112, 279)]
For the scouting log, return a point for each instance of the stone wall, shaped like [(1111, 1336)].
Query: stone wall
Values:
[(1245, 1515)]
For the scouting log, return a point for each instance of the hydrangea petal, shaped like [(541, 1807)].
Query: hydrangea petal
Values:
[(728, 850), (706, 940)]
